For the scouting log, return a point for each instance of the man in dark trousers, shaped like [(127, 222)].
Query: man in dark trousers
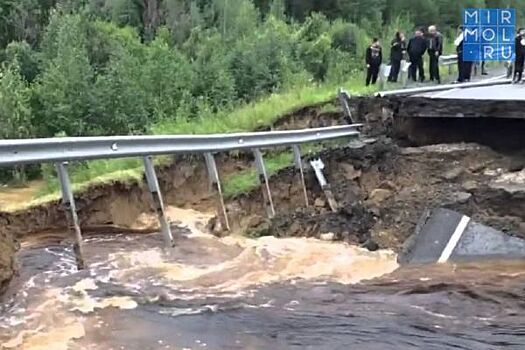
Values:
[(417, 46), (374, 57), (397, 52), (464, 67), (520, 55), (435, 50)]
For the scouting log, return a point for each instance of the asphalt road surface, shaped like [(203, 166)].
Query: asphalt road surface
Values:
[(495, 92)]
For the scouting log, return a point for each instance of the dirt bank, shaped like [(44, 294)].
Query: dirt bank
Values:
[(382, 189), (381, 186)]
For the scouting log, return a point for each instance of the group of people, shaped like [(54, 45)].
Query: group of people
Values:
[(430, 43), (465, 67), (418, 45)]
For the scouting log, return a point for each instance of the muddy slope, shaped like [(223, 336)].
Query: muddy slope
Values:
[(383, 189)]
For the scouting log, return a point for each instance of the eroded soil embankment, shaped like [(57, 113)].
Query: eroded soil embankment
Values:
[(381, 188)]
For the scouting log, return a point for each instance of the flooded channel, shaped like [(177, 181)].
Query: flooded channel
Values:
[(267, 293)]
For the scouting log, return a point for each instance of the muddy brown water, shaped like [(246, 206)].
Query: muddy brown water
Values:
[(238, 293)]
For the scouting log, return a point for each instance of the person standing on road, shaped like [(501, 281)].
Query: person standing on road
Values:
[(397, 52), (520, 55), (435, 50), (417, 46), (374, 57), (464, 67)]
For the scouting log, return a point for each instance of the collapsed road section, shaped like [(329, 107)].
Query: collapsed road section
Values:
[(381, 184)]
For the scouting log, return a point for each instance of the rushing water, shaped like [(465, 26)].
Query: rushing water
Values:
[(234, 293)]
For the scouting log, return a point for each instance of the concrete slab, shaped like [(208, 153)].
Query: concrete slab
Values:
[(444, 235)]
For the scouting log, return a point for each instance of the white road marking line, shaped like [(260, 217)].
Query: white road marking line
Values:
[(454, 239)]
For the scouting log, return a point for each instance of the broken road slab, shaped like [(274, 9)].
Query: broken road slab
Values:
[(444, 235)]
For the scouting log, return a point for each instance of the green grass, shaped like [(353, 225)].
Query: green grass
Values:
[(82, 174), (330, 108), (247, 180), (260, 113)]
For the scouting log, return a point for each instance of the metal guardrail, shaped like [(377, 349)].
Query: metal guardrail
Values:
[(62, 150), (87, 148), (384, 72), (448, 60), (420, 90)]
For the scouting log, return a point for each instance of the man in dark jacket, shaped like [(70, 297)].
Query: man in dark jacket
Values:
[(374, 57), (520, 55), (435, 50), (417, 46), (397, 51), (464, 67)]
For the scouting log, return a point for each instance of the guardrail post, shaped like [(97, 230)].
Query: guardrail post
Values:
[(71, 213), (343, 99), (299, 166), (263, 180), (213, 173), (318, 167), (153, 185)]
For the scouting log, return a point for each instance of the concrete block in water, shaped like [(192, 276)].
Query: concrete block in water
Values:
[(444, 235)]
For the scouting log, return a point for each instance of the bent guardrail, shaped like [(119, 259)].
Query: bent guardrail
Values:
[(420, 90), (88, 148), (62, 150)]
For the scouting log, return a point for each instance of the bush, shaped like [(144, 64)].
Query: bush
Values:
[(25, 57), (167, 78), (264, 61), (65, 87)]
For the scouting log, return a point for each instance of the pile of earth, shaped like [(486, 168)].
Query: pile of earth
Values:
[(383, 189)]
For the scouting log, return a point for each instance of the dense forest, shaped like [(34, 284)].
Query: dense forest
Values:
[(99, 67)]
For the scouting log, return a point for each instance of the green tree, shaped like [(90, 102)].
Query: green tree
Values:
[(119, 98), (21, 52), (64, 89), (167, 78), (278, 9), (212, 84), (235, 18), (15, 109), (265, 60), (15, 103)]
